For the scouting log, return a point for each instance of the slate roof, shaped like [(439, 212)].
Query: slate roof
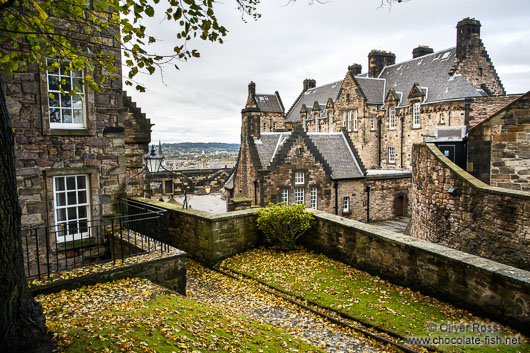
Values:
[(373, 89), (431, 72), (269, 103), (333, 147), (320, 94)]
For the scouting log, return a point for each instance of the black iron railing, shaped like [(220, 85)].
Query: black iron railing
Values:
[(141, 229)]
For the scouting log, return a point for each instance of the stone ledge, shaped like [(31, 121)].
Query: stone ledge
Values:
[(474, 182)]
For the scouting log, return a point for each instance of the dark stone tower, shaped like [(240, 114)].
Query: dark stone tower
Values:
[(377, 60), (467, 37)]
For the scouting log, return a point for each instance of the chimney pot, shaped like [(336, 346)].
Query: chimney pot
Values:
[(421, 50), (355, 69), (309, 83)]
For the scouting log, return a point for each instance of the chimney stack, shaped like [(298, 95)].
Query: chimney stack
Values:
[(309, 83), (467, 36), (252, 88), (377, 60), (355, 69), (421, 50)]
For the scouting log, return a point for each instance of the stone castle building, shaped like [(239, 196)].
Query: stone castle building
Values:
[(375, 117), (73, 151)]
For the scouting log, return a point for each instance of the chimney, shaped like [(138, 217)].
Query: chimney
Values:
[(252, 88), (355, 69), (309, 83), (421, 50), (377, 60), (467, 36)]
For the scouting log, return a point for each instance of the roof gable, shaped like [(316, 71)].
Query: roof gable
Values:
[(320, 94)]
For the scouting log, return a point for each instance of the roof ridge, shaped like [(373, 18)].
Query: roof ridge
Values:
[(419, 57)]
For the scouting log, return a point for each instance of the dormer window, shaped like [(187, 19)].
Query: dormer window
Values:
[(391, 118), (416, 115)]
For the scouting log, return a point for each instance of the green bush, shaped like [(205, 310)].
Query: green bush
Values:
[(283, 224)]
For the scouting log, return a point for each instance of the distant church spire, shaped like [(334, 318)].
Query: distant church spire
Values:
[(160, 148)]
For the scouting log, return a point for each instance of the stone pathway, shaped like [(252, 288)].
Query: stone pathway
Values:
[(212, 288), (397, 225)]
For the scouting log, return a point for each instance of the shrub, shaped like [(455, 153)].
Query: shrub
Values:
[(283, 224)]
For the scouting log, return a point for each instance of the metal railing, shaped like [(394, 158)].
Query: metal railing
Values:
[(140, 229)]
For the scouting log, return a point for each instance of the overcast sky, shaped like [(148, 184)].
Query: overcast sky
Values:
[(202, 102)]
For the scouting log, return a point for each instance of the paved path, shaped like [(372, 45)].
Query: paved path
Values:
[(397, 225), (212, 288)]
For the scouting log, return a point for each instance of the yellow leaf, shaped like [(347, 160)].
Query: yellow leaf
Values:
[(42, 14)]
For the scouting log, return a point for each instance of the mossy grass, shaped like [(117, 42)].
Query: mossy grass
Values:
[(340, 287)]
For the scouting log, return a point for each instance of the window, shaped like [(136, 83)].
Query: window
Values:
[(285, 196), (346, 204), (349, 121), (72, 208), (391, 118), (343, 119), (416, 115), (391, 155), (299, 196), (372, 123), (355, 120), (314, 198), (299, 178), (264, 126), (66, 112), (442, 118), (274, 126), (330, 121)]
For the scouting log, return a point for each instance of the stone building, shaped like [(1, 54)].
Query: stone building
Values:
[(73, 151), (394, 105), (499, 147), (271, 108)]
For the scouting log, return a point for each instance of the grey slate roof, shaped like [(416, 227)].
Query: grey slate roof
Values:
[(373, 89), (320, 94), (335, 150), (269, 103), (430, 72), (333, 147)]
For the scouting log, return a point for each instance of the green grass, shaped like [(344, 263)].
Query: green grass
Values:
[(169, 323), (367, 298)]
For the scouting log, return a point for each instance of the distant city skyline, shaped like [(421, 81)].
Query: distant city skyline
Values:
[(202, 102)]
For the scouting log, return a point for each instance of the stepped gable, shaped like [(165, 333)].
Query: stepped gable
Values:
[(137, 126), (338, 154), (269, 103), (432, 73), (320, 94)]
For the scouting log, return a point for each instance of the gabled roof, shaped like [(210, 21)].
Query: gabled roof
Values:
[(373, 89), (269, 103), (431, 72), (320, 94), (334, 150)]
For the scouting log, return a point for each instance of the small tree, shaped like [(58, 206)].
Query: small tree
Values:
[(284, 224)]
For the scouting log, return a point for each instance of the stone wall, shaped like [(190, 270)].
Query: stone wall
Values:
[(452, 208), (479, 109), (209, 237), (483, 286)]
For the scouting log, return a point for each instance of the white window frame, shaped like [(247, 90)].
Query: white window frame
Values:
[(343, 119), (349, 120), (330, 121), (372, 123), (345, 204), (355, 125), (70, 203), (299, 178), (442, 118), (416, 115), (285, 196), (392, 118), (58, 105), (392, 155), (314, 198), (299, 196)]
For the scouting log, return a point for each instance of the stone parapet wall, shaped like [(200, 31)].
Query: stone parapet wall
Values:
[(481, 285), (476, 218), (209, 237)]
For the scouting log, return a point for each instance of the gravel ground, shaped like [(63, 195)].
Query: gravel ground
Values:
[(212, 288)]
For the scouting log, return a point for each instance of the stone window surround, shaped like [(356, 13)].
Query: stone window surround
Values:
[(416, 113), (93, 183), (391, 155), (345, 206), (90, 111), (314, 197), (391, 118), (372, 123), (305, 175)]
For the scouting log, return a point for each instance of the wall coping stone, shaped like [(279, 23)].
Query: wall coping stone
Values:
[(474, 182), (513, 273)]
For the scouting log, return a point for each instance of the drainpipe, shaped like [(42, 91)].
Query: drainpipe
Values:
[(402, 136), (255, 191), (336, 186), (367, 203), (379, 142)]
